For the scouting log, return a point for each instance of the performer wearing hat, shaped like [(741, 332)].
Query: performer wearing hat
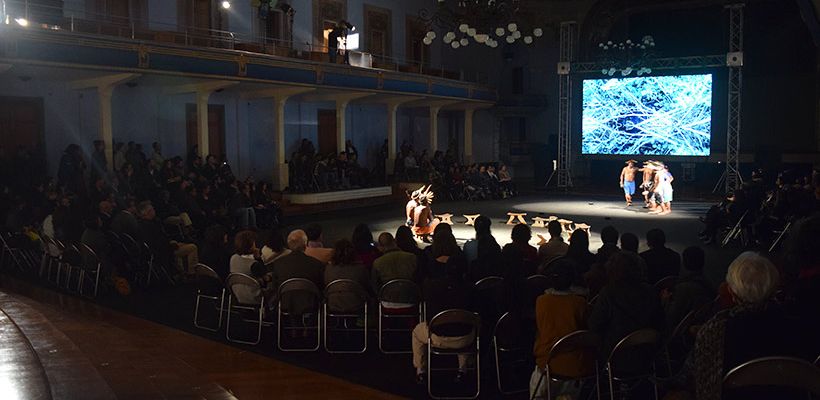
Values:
[(411, 205), (424, 221), (646, 185), (628, 180)]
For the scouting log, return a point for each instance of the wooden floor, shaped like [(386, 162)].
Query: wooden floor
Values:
[(90, 352)]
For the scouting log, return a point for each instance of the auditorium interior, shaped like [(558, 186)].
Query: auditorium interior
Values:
[(383, 199)]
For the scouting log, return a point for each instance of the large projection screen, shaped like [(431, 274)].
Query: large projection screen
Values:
[(651, 115)]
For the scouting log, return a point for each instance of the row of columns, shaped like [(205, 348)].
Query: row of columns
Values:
[(105, 86)]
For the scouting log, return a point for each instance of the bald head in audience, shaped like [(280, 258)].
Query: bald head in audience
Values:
[(297, 240)]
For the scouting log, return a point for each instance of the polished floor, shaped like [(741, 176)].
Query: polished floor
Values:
[(83, 351)]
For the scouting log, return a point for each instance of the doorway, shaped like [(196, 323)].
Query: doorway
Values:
[(216, 128), (327, 131)]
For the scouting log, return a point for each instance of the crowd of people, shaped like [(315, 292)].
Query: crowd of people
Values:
[(313, 172), (762, 208), (168, 203), (612, 292), (445, 172)]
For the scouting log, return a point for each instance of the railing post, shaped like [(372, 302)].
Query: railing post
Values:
[(72, 22), (132, 29)]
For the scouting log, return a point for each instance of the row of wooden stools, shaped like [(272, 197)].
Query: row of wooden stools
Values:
[(567, 226)]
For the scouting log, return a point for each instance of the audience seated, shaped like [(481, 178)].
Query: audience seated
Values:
[(165, 249), (246, 259), (609, 236), (558, 312), (125, 221), (298, 265), (344, 266), (578, 252), (444, 290), (754, 327), (213, 250), (406, 242), (661, 261), (315, 247), (629, 242), (555, 247), (394, 263), (274, 247), (691, 292), (484, 251), (625, 304), (365, 250), (521, 235)]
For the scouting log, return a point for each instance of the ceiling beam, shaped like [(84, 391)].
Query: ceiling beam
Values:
[(102, 81)]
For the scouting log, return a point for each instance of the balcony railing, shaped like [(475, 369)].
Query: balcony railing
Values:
[(37, 15)]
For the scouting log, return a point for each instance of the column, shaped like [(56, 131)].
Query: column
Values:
[(392, 111), (468, 135), (280, 168), (434, 129), (202, 134), (104, 94), (341, 107)]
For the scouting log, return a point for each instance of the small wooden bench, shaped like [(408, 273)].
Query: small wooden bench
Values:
[(471, 218), (566, 225), (540, 222), (445, 218), (516, 218), (583, 227)]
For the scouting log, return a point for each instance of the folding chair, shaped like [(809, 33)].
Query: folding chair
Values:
[(640, 348), (14, 252), (209, 287), (667, 282), (782, 372), (91, 265), (508, 339), (678, 338), (453, 317), (587, 342), (398, 291), (290, 290), (52, 257), (736, 231), (72, 261), (337, 293), (535, 286), (158, 271), (245, 295)]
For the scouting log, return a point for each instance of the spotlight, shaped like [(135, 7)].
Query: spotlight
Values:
[(21, 21), (350, 26), (226, 4)]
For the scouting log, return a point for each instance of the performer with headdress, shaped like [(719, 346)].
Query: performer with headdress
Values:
[(648, 179), (424, 221), (663, 189), (411, 205), (628, 180)]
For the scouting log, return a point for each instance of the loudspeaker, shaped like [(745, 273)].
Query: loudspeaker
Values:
[(734, 59), (563, 68)]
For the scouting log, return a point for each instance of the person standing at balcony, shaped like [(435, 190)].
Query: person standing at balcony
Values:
[(336, 36)]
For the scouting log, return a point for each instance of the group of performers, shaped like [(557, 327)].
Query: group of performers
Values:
[(656, 185), (420, 217)]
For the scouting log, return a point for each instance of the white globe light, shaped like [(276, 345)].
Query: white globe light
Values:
[(510, 39), (226, 4), (464, 41), (451, 35), (512, 27), (447, 39), (463, 28), (499, 32), (537, 32), (471, 32), (528, 39), (431, 35), (455, 44), (481, 38), (427, 41), (648, 70), (494, 45), (517, 34), (604, 71)]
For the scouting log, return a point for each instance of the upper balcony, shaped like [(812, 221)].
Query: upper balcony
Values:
[(58, 36)]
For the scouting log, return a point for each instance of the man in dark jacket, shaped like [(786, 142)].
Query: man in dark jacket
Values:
[(691, 292), (298, 265), (661, 261)]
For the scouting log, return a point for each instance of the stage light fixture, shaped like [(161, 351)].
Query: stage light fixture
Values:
[(21, 21), (226, 4)]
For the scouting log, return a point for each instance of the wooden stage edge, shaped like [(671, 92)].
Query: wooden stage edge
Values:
[(92, 352)]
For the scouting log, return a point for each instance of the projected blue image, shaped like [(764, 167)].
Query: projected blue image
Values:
[(654, 115)]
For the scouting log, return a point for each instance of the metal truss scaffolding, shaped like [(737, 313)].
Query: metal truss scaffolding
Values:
[(566, 57), (734, 62)]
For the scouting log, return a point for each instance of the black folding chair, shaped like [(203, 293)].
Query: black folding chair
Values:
[(781, 372), (633, 360), (209, 287), (453, 317), (588, 343), (337, 294), (509, 346), (398, 291), (245, 295), (307, 291), (90, 269)]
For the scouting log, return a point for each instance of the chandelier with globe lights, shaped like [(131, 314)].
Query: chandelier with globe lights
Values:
[(462, 22), (627, 56)]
